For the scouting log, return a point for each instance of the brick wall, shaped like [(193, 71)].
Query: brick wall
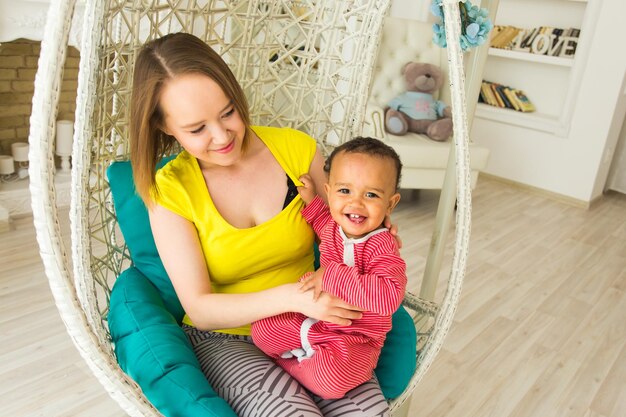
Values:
[(18, 65)]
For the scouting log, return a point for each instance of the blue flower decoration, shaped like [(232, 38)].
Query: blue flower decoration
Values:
[(475, 25)]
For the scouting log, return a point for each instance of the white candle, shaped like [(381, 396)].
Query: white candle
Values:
[(64, 137), (7, 166), (19, 150)]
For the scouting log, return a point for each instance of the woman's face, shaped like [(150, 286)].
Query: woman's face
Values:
[(361, 192), (202, 119)]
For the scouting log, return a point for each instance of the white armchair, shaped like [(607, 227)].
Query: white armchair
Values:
[(424, 160)]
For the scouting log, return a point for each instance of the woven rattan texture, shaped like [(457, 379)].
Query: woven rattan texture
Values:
[(302, 64)]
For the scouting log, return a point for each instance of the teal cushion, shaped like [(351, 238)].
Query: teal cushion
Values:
[(397, 360), (395, 366), (132, 217), (153, 349)]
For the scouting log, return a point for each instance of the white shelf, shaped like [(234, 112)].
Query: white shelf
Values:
[(530, 57), (27, 19), (15, 196), (552, 80), (534, 120)]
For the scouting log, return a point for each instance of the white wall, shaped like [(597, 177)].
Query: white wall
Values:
[(411, 9), (610, 67), (617, 176)]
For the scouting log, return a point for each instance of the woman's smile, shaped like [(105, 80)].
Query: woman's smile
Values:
[(227, 148)]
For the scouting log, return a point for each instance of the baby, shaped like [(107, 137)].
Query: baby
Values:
[(360, 263)]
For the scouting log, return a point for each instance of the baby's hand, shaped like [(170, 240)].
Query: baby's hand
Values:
[(307, 190), (313, 280)]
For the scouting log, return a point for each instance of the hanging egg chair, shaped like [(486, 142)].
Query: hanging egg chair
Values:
[(302, 64)]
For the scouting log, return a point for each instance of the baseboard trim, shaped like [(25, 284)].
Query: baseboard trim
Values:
[(546, 193)]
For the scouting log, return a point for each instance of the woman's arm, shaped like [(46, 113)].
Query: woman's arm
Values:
[(179, 248)]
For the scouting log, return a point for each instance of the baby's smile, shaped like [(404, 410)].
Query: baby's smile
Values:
[(355, 218)]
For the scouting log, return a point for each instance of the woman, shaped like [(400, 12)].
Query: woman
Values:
[(226, 220)]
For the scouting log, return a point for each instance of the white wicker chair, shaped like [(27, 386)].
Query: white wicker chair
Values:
[(302, 64)]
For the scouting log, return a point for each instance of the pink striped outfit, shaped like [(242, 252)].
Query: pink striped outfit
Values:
[(368, 272)]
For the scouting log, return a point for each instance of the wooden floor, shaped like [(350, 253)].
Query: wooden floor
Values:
[(540, 330)]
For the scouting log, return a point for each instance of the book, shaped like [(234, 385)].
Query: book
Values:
[(504, 38), (524, 102), (557, 42), (542, 41), (528, 39), (488, 94), (495, 32), (517, 41), (499, 95), (499, 101), (512, 99), (482, 96), (575, 33), (500, 90)]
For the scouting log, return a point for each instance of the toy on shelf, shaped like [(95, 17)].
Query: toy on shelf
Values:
[(416, 110)]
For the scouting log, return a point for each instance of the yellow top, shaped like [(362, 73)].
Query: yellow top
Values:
[(276, 252)]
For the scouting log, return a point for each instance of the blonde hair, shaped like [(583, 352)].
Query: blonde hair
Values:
[(159, 61)]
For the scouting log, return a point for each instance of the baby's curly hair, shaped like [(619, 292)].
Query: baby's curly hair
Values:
[(367, 146)]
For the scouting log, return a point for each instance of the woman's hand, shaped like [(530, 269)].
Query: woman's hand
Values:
[(327, 307), (393, 229)]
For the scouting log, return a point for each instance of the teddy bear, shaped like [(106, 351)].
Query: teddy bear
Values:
[(416, 110)]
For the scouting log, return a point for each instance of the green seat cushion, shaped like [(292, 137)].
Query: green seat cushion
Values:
[(154, 351), (397, 360), (141, 348), (133, 220)]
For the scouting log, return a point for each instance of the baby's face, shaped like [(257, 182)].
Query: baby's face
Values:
[(361, 192)]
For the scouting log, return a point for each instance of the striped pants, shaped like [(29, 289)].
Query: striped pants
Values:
[(255, 386)]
